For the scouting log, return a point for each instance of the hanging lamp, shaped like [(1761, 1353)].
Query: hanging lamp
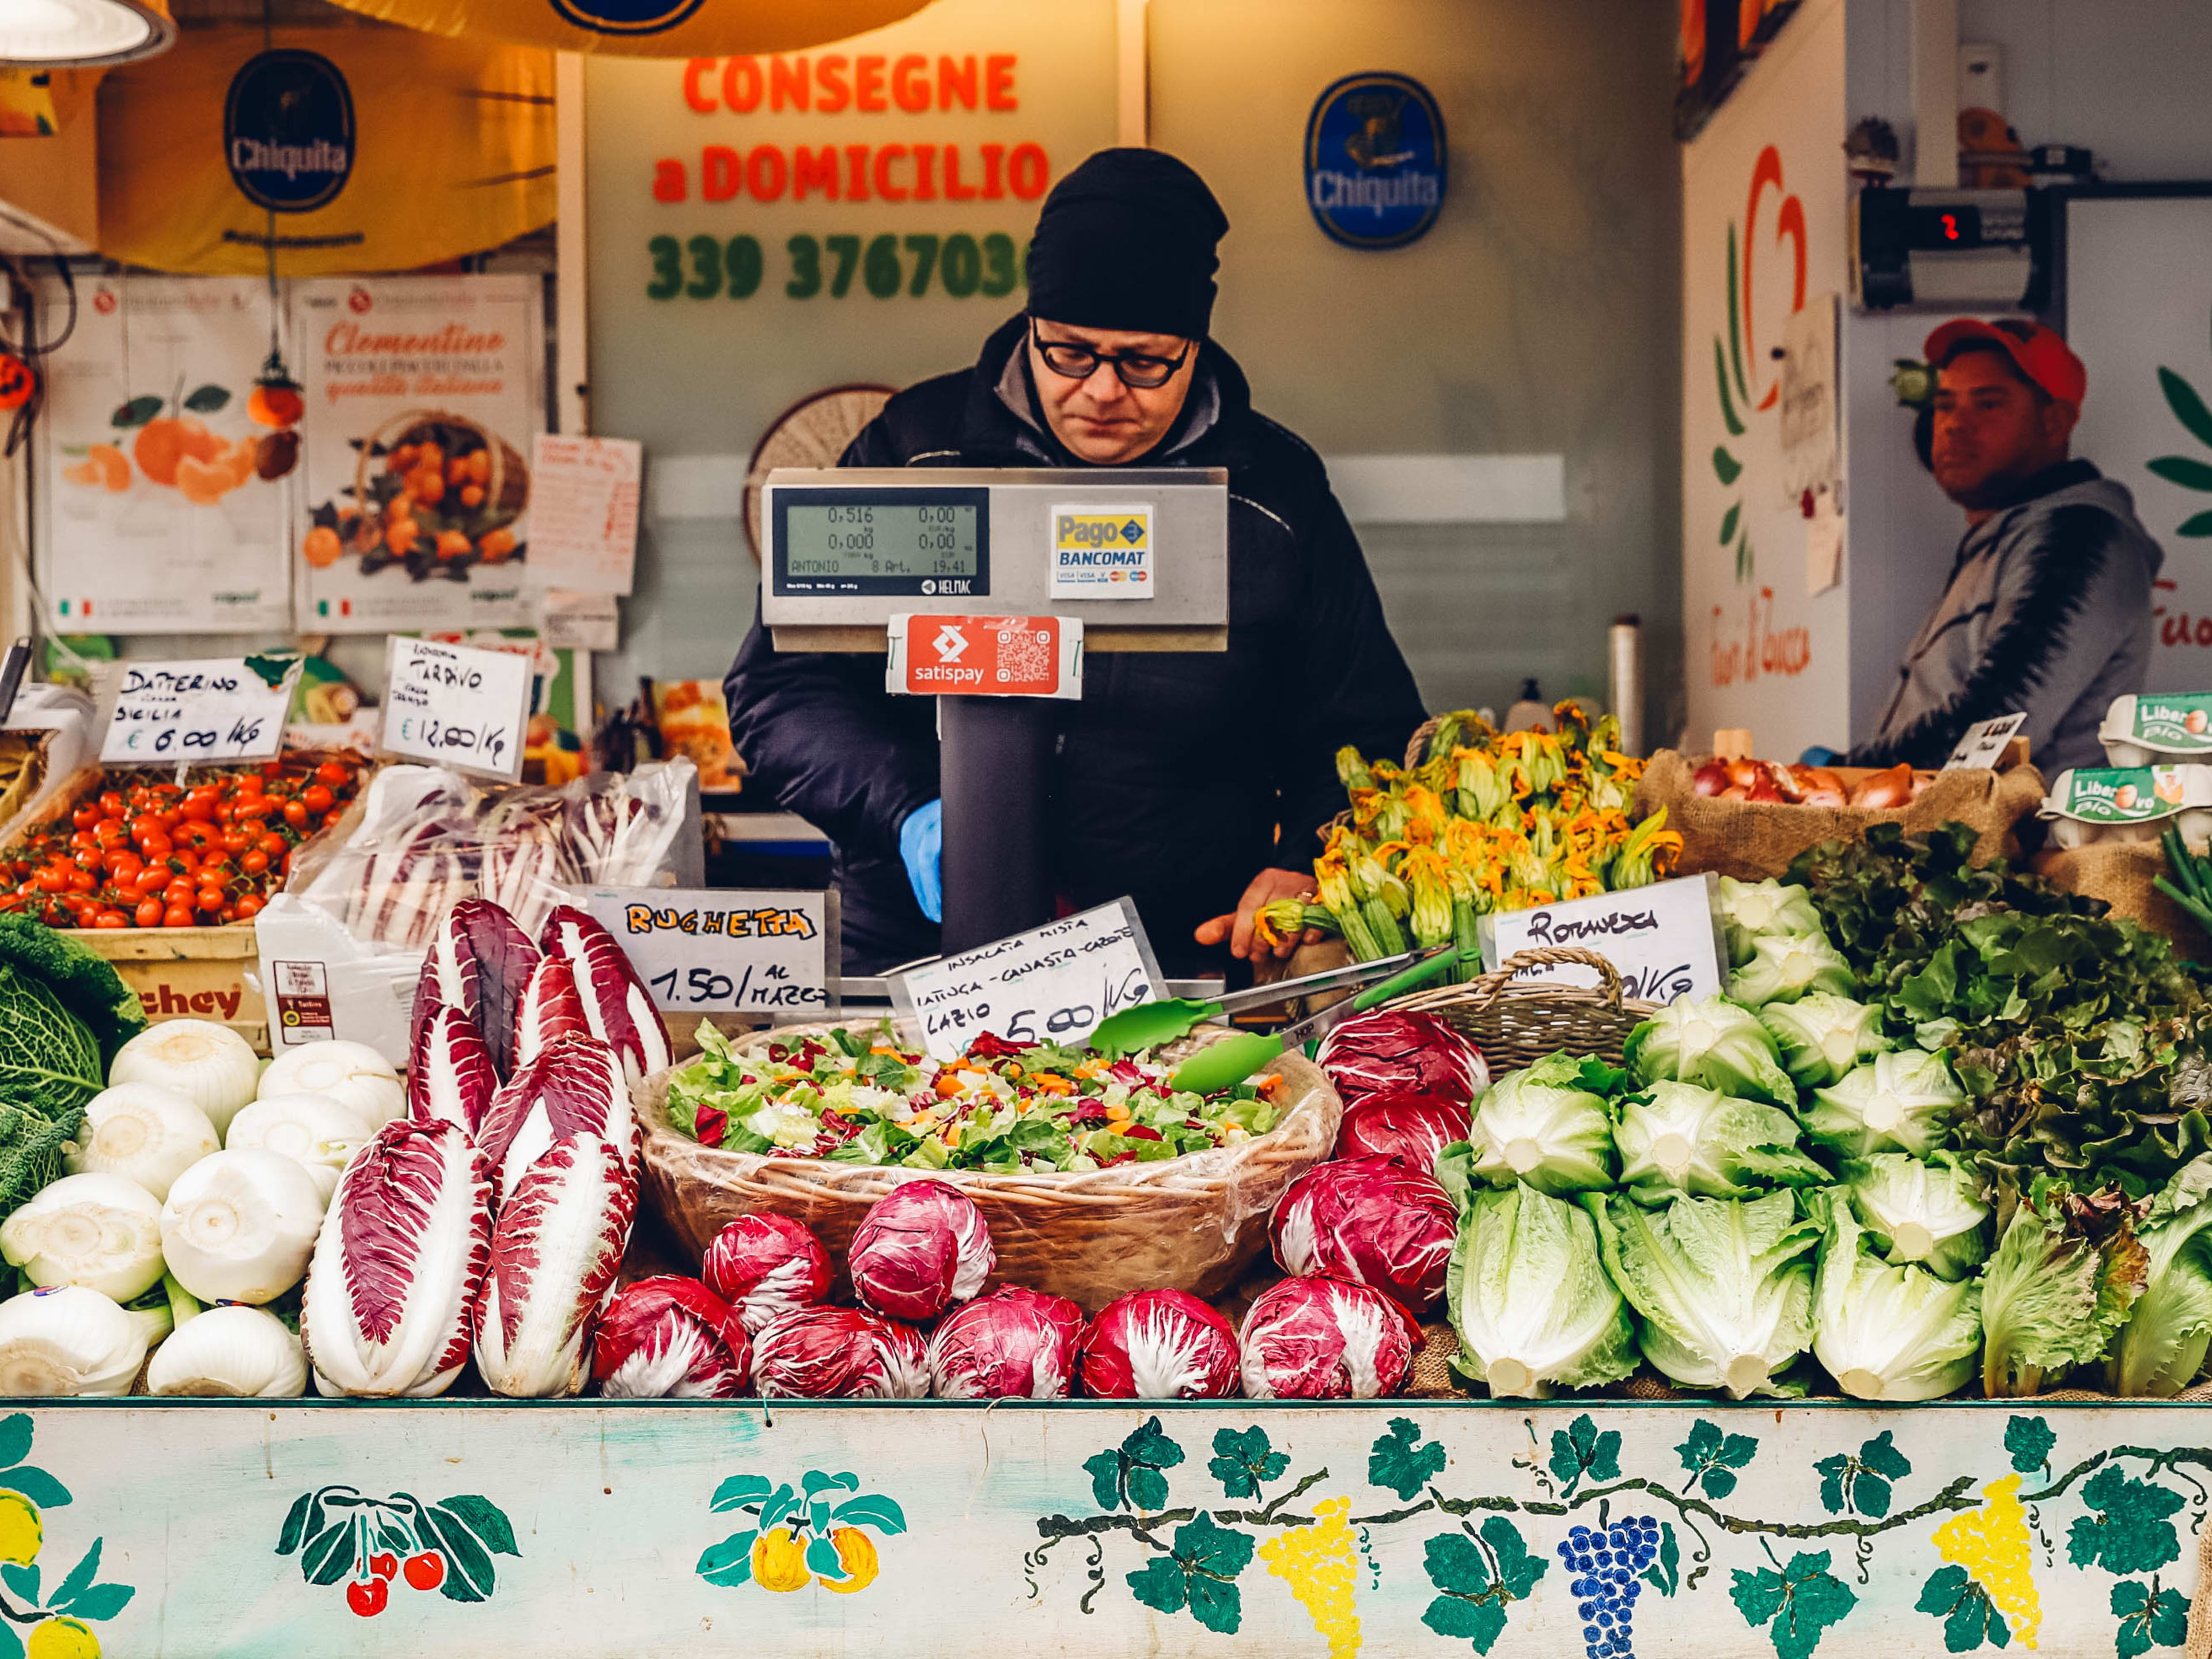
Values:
[(42, 34)]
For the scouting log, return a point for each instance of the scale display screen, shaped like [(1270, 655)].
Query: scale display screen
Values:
[(922, 542)]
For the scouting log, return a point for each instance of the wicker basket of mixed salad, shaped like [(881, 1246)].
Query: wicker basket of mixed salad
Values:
[(1095, 1176)]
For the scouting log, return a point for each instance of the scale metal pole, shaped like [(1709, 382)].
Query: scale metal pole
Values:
[(992, 754)]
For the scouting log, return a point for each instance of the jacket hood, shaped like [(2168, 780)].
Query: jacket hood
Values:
[(2071, 484)]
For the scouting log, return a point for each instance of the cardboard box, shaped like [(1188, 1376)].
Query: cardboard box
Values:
[(189, 973)]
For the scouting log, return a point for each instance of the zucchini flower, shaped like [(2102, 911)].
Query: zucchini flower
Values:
[(1647, 854), (1430, 879), (1426, 815), (1286, 920), (1373, 877), (1352, 770), (1333, 875), (1481, 791), (1444, 737)]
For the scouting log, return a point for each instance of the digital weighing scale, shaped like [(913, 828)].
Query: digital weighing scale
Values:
[(847, 550)]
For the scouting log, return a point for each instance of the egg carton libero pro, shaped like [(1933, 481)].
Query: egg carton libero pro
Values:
[(2088, 805)]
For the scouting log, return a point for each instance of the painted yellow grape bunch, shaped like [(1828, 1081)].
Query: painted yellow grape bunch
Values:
[(815, 1531), (44, 1624), (1989, 1549)]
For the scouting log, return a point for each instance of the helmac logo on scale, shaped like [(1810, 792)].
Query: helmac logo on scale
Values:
[(1102, 552)]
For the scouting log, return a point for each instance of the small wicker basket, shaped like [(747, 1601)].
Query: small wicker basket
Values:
[(1517, 1025), (1191, 1223), (507, 491)]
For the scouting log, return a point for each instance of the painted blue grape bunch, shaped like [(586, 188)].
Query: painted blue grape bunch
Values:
[(1605, 1562)]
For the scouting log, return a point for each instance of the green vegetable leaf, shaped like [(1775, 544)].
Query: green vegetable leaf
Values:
[(1244, 1462), (1713, 1457), (208, 399), (1401, 1461), (1199, 1571), (2128, 1532), (730, 1561), (1132, 1474), (2188, 408), (1970, 1618), (1581, 1450), (2029, 1439), (2149, 1618), (1802, 1601)]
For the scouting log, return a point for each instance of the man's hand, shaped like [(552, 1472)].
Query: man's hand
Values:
[(1268, 887)]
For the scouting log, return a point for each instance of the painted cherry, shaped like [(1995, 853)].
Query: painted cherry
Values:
[(426, 1571), (367, 1596), (385, 1566)]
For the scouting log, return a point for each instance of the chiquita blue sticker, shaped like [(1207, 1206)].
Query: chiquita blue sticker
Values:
[(1374, 160)]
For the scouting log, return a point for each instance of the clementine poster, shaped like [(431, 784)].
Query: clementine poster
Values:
[(423, 396), (165, 470)]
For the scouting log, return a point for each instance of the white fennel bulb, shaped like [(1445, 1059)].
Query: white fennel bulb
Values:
[(237, 1353), (317, 1132), (240, 1226), (354, 1072), (66, 1340), (144, 1133), (210, 1065), (98, 1231)]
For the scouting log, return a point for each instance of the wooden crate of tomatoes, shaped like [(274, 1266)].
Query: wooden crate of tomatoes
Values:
[(164, 877)]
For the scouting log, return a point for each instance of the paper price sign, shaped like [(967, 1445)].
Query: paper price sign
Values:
[(1663, 940), (212, 708), (1051, 985), (456, 705), (1983, 745), (720, 951)]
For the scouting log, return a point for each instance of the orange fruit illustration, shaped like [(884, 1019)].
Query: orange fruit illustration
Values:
[(857, 1551), (275, 404), (778, 1560), (202, 482), (114, 466), (496, 545), (157, 449), (321, 547), (84, 473)]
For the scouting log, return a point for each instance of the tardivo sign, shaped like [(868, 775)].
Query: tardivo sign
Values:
[(1374, 160)]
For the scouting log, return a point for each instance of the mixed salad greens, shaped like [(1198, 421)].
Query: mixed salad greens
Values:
[(858, 1096)]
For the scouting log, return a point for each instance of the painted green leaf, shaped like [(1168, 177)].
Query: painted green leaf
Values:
[(730, 1562), (1862, 1483), (14, 1440), (1726, 467), (1401, 1461), (1729, 522), (1517, 1570), (2130, 1532), (487, 1520), (1454, 1564), (1735, 327), (2198, 524), (1711, 1457), (1744, 561), (329, 1556), (1479, 1580), (741, 1489), (1159, 1584), (1881, 1455), (2179, 468), (814, 1482), (136, 412), (1728, 405), (469, 1576), (822, 1558), (1480, 1622), (2029, 1439), (1970, 1618), (2149, 1618), (1665, 1574), (208, 399), (11, 1645), (101, 1601), (1580, 1449), (1201, 1571), (41, 1488), (296, 1524), (872, 1509), (2188, 408), (23, 1580), (1244, 1462), (1105, 1472), (1803, 1601)]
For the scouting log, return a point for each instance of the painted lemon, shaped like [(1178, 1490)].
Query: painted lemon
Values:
[(20, 1530), (778, 1560), (64, 1638), (856, 1551)]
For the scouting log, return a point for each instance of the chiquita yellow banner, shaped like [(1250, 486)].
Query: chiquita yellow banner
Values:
[(354, 148), (648, 28)]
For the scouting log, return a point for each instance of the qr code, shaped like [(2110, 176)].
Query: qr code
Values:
[(1023, 656)]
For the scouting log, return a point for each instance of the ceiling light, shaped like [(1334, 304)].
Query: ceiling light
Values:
[(79, 33)]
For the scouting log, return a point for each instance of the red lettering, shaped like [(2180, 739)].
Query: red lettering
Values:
[(911, 83), (764, 172), (868, 84), (856, 175), (2205, 630), (999, 82), (2174, 630), (742, 85), (925, 173), (993, 154), (813, 170), (884, 187), (832, 94), (954, 190), (695, 71), (786, 79), (722, 172), (668, 184), (1026, 170), (956, 81)]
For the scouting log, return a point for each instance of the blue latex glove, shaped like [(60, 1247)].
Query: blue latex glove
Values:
[(1817, 755), (921, 844)]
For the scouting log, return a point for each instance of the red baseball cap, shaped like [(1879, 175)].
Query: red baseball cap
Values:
[(2043, 358)]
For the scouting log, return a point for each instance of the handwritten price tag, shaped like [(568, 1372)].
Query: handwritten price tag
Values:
[(212, 708), (719, 951), (1983, 745), (1662, 939), (1052, 985), (455, 705)]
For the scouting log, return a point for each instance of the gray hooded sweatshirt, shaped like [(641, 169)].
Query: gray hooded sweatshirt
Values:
[(2047, 614)]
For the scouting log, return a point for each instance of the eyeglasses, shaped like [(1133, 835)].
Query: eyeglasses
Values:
[(1136, 370)]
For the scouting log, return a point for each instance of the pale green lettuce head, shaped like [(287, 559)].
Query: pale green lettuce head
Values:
[(1894, 1103), (1822, 1036), (1883, 1332), (1712, 1042), (1928, 1214), (1548, 1125), (2058, 1287), (1529, 1297), (1751, 909), (1677, 1138), (2160, 1350), (1784, 967)]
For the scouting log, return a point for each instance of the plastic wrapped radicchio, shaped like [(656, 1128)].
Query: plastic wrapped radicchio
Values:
[(765, 1264), (1413, 1053), (550, 1009), (1372, 1220), (478, 962), (617, 1006), (671, 1338), (556, 1247), (1014, 1344), (574, 1088), (1410, 1127), (840, 1353), (1157, 1345), (449, 1075), (921, 1247), (1324, 1339)]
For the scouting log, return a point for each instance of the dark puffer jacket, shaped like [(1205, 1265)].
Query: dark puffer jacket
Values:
[(1170, 776)]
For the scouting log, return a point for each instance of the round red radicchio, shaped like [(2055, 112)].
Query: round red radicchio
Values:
[(671, 1338), (765, 1264), (1324, 1339), (1372, 1220), (921, 1247), (1413, 1053), (1410, 1127), (1014, 1344), (840, 1353), (1157, 1345)]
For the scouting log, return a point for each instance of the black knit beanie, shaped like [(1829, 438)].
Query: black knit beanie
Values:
[(1126, 241)]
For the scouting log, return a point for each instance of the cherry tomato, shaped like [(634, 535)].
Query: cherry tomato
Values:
[(209, 898), (110, 918), (85, 817), (176, 916), (296, 814), (250, 784), (112, 803), (235, 841), (81, 881), (337, 774), (150, 881), (274, 845), (199, 807), (317, 798), (146, 826), (157, 846), (249, 906), (149, 912), (179, 891), (254, 863)]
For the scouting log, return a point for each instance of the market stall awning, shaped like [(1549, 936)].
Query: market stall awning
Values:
[(648, 28)]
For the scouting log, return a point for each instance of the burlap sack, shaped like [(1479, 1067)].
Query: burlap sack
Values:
[(1752, 840), (2121, 872)]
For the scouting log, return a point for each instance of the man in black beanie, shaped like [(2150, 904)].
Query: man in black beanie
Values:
[(1196, 783)]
